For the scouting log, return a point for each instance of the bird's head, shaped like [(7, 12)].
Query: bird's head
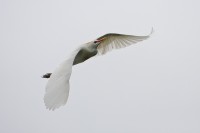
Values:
[(98, 41)]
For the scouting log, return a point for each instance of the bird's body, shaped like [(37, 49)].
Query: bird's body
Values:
[(57, 88), (87, 51)]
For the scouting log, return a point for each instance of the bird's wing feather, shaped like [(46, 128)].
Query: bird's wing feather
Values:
[(115, 41), (57, 88)]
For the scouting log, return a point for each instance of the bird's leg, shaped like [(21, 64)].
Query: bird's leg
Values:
[(47, 75)]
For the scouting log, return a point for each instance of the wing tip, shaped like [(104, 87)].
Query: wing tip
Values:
[(152, 31), (52, 106)]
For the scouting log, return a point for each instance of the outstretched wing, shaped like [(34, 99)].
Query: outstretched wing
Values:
[(57, 88), (115, 41)]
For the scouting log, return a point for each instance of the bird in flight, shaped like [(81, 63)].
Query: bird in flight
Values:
[(57, 88)]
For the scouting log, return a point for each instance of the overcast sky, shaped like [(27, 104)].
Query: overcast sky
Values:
[(151, 87)]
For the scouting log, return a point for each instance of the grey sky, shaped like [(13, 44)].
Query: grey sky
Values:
[(151, 87)]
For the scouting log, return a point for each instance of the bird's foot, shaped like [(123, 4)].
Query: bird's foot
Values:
[(47, 75)]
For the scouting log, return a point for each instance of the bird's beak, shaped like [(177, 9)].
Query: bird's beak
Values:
[(101, 40)]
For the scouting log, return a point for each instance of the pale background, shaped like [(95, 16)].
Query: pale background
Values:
[(151, 87)]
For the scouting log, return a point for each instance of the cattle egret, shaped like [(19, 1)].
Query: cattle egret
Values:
[(57, 88)]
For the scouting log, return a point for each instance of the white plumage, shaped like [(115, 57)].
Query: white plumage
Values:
[(116, 41), (57, 88)]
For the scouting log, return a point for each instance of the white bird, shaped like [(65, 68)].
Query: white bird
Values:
[(57, 88)]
